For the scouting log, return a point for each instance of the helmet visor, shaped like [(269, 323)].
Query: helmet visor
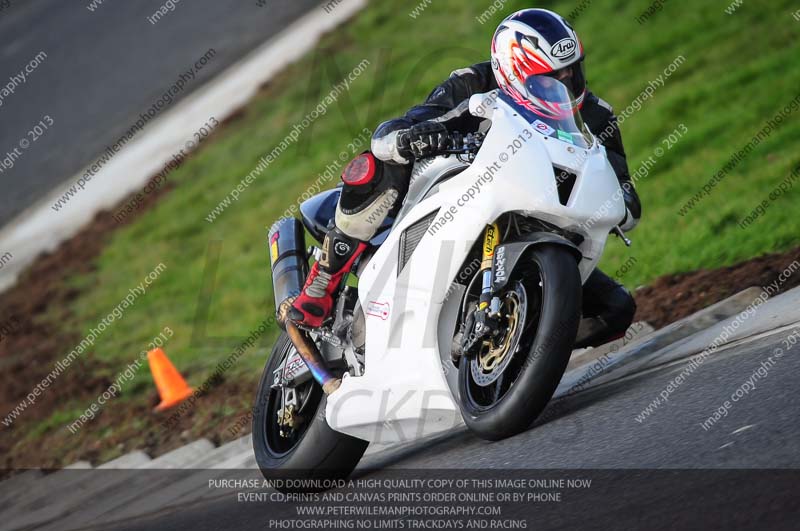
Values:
[(573, 76), (551, 96), (555, 104)]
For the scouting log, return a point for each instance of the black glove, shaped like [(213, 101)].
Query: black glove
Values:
[(421, 140)]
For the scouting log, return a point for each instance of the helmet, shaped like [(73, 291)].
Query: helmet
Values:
[(538, 42)]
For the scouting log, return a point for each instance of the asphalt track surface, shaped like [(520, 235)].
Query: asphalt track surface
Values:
[(103, 69), (664, 473)]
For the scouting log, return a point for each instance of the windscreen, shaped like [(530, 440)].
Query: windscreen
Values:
[(553, 110)]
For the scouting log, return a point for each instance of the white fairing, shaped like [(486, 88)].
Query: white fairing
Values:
[(403, 393)]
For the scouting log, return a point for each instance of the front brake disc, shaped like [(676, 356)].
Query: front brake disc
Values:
[(487, 367)]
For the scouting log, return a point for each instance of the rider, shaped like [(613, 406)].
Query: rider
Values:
[(529, 42)]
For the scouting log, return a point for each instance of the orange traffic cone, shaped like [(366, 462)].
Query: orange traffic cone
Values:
[(172, 388)]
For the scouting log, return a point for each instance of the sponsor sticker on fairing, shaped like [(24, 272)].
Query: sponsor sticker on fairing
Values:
[(378, 309), (543, 128), (566, 137)]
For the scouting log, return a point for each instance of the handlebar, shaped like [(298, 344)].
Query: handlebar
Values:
[(461, 144)]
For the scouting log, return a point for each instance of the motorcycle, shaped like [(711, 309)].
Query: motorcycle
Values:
[(467, 306)]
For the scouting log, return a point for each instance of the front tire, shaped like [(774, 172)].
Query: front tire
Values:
[(495, 407), (314, 451)]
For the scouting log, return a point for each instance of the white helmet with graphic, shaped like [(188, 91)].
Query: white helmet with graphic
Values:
[(538, 42)]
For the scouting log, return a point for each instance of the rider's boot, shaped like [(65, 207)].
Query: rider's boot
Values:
[(314, 304)]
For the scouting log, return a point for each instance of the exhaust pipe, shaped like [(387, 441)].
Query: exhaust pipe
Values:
[(289, 271), (289, 262), (314, 360)]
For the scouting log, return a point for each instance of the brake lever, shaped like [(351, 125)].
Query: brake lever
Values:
[(618, 231)]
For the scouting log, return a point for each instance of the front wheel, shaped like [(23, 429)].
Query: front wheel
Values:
[(291, 439), (508, 382)]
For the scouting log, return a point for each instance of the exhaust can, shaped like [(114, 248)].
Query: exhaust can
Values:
[(288, 259)]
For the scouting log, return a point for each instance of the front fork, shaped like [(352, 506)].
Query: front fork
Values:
[(482, 323), (491, 239)]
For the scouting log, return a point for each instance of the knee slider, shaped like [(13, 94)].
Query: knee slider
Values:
[(360, 171)]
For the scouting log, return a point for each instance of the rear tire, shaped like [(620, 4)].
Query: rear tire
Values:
[(317, 453), (527, 383)]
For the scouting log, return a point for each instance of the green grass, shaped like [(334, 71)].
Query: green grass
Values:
[(739, 71)]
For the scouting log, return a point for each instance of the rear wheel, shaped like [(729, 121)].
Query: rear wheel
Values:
[(291, 438), (506, 384)]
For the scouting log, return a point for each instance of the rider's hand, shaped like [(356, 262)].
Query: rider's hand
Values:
[(424, 139), (633, 208)]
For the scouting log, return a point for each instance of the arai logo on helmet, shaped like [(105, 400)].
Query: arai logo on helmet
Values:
[(564, 48)]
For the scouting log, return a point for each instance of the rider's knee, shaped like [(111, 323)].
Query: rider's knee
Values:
[(621, 309), (371, 190)]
